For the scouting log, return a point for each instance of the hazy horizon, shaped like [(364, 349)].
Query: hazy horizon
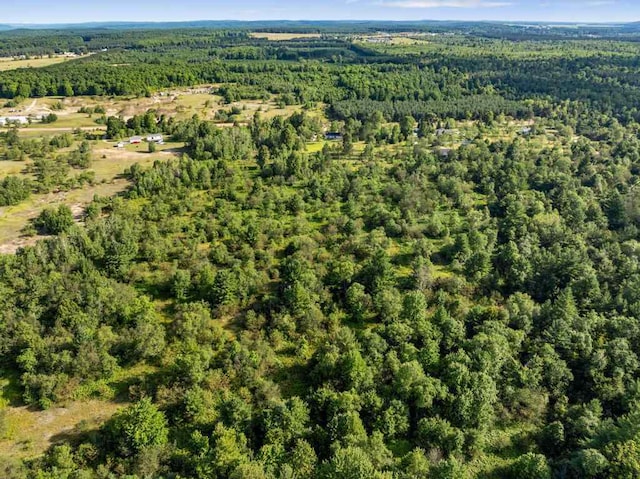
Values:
[(564, 11)]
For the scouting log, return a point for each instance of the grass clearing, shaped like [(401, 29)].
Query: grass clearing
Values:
[(14, 218), (180, 104), (108, 164), (70, 121), (279, 37), (7, 64), (31, 432), (12, 168), (315, 147)]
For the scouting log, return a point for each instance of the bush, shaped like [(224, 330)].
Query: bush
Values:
[(14, 190), (530, 466), (50, 118), (55, 220), (136, 428)]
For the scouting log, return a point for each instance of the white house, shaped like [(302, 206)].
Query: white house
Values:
[(156, 138)]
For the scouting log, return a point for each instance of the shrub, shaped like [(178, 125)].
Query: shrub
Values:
[(55, 220)]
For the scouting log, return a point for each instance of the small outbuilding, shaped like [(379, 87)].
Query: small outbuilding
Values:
[(135, 140), (155, 138)]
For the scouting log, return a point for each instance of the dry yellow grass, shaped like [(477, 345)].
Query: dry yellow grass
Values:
[(31, 433), (408, 41), (12, 64), (108, 165), (14, 218), (180, 104), (275, 37), (11, 168), (110, 162)]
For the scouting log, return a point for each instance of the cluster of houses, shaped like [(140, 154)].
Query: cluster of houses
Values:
[(136, 140)]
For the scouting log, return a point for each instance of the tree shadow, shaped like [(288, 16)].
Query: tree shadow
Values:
[(10, 389), (78, 434), (136, 387)]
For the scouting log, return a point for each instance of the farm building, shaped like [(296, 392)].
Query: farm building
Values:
[(156, 138), (333, 135), (135, 140)]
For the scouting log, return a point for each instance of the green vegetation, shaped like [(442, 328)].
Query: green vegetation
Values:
[(448, 286), (55, 221)]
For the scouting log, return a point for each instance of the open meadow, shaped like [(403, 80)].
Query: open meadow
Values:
[(15, 63), (280, 37)]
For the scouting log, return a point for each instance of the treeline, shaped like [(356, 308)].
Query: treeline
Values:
[(81, 41), (453, 76), (467, 107)]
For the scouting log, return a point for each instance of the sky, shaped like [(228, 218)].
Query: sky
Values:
[(76, 11)]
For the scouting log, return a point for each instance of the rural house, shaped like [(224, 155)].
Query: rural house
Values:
[(156, 138), (333, 135)]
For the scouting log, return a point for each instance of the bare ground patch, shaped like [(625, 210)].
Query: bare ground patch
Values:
[(31, 433)]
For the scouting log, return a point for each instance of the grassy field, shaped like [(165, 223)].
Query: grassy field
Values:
[(108, 164), (315, 146), (30, 432), (11, 168), (13, 64), (275, 37), (14, 218), (179, 104)]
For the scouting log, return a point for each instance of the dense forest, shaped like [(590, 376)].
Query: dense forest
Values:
[(457, 75), (260, 310)]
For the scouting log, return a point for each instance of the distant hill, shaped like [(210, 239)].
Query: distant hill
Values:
[(337, 26)]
